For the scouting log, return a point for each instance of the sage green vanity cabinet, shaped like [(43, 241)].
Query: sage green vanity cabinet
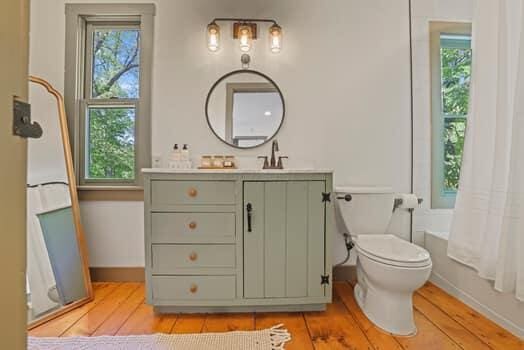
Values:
[(237, 240), (284, 245)]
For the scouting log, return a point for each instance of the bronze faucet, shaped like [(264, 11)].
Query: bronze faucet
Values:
[(273, 163)]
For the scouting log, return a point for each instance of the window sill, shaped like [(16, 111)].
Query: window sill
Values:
[(110, 193)]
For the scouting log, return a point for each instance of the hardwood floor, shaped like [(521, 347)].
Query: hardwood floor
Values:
[(443, 322)]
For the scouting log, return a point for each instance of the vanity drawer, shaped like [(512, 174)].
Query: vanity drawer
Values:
[(193, 287), (192, 192), (193, 227), (167, 257)]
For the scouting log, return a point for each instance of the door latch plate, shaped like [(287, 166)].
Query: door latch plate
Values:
[(22, 125)]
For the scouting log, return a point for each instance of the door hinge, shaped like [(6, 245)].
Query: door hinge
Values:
[(324, 279), (326, 196)]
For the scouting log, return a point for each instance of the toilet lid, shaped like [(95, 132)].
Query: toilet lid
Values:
[(392, 250)]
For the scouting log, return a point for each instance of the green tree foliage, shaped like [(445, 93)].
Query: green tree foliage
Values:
[(454, 132), (456, 72), (111, 133), (111, 143)]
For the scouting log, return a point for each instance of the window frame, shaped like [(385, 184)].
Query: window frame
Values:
[(81, 20), (440, 199)]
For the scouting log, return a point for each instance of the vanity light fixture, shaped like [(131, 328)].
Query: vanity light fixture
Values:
[(245, 33), (213, 36), (245, 30), (275, 38)]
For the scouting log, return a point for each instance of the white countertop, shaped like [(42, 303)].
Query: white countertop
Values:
[(235, 171)]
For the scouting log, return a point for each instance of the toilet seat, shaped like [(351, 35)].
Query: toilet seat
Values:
[(390, 250)]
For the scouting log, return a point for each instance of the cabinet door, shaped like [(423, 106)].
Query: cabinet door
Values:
[(284, 239)]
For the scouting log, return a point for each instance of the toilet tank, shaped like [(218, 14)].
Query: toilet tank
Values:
[(369, 210)]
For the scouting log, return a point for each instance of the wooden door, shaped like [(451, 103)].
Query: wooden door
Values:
[(14, 27), (284, 239)]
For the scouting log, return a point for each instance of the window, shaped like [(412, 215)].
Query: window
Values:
[(450, 81), (108, 72)]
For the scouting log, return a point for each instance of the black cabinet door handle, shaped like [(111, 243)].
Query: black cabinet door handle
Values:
[(249, 209)]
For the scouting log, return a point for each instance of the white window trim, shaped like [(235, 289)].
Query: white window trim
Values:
[(77, 18), (439, 200)]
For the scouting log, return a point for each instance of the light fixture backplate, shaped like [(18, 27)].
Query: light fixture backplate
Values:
[(237, 25)]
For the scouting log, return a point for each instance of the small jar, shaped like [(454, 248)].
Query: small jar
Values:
[(229, 161), (206, 162), (218, 161)]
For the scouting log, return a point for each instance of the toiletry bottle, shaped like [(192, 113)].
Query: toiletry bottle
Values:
[(184, 154), (185, 157), (174, 158)]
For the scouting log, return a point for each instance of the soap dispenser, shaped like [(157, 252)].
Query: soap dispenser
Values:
[(184, 154), (174, 158), (185, 157)]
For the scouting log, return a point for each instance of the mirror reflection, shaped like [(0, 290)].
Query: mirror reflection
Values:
[(245, 109), (56, 274)]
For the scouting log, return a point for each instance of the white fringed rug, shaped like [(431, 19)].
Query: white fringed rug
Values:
[(273, 338)]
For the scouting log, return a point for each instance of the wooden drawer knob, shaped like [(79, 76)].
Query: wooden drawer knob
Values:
[(192, 225), (193, 256), (192, 192), (193, 288)]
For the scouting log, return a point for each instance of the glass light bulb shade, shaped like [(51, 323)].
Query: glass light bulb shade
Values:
[(245, 37), (275, 38), (213, 37)]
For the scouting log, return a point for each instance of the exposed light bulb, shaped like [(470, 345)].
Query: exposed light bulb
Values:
[(213, 37), (275, 38), (245, 36)]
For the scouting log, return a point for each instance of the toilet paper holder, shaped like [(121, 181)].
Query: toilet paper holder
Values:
[(398, 202)]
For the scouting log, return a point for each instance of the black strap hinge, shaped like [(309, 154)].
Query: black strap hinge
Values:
[(324, 279), (326, 196)]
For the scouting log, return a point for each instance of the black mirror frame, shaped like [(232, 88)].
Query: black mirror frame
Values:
[(252, 72)]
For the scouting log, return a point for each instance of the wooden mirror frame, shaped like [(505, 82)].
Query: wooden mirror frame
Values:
[(75, 208)]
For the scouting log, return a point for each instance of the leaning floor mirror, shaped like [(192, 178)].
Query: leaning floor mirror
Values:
[(57, 267)]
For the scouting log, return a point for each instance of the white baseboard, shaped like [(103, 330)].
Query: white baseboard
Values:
[(474, 304)]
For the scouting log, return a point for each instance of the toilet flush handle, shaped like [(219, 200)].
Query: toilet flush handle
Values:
[(346, 197)]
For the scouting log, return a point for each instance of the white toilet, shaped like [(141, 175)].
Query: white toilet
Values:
[(389, 269)]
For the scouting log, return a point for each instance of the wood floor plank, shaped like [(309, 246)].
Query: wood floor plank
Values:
[(428, 336), (57, 326), (88, 323), (113, 323), (378, 338), (293, 322), (189, 323), (335, 328), (229, 322), (144, 321), (445, 323), (489, 332)]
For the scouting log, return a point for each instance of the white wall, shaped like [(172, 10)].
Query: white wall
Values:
[(343, 70)]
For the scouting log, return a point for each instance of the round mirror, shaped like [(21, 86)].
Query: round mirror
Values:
[(245, 108)]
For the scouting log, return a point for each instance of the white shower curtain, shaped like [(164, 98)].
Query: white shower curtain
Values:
[(487, 231)]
